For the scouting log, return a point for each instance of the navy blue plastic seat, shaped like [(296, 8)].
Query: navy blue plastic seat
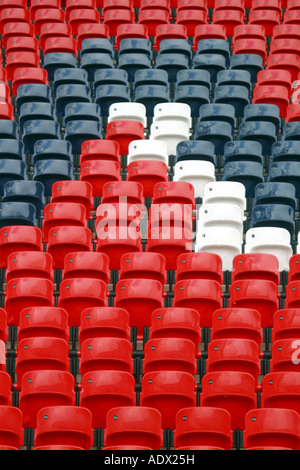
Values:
[(38, 129), (8, 129), (106, 95), (136, 45), (218, 112), (151, 95), (17, 213), (195, 150), (33, 92), (11, 170), (93, 61), (11, 148), (236, 95), (50, 171), (273, 215), (25, 191), (99, 45), (275, 193), (82, 111), (214, 46), (66, 94), (286, 171), (213, 63), (172, 63), (260, 131), (216, 132), (132, 62), (253, 63), (291, 131), (285, 150), (69, 76), (51, 149), (36, 110), (176, 46), (58, 60), (151, 77), (248, 173), (194, 77), (234, 77), (110, 77), (193, 95), (78, 132), (263, 112), (243, 150)]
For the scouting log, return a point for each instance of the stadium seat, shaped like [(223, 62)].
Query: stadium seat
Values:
[(91, 30), (28, 75), (12, 431), (264, 112), (235, 95), (50, 171), (218, 216), (274, 94), (115, 17), (280, 390), (104, 322), (285, 61), (253, 63), (77, 5), (92, 61), (98, 172), (86, 265), (143, 266), (144, 150), (54, 30), (44, 15), (194, 77), (151, 95), (38, 129), (213, 63), (225, 192), (115, 191), (83, 15), (96, 45), (14, 15), (128, 112), (33, 111), (199, 266), (66, 94), (74, 191), (16, 28), (285, 171), (69, 76), (100, 149), (11, 169), (130, 30), (193, 95), (108, 94), (208, 31), (228, 18), (9, 129), (250, 46), (243, 150), (214, 46), (67, 45), (265, 17), (286, 324), (274, 215), (152, 18), (169, 31), (150, 77), (241, 323), (172, 63), (64, 240), (78, 131), (43, 321), (173, 192), (217, 132), (58, 60), (237, 77), (256, 266), (19, 238), (59, 214), (29, 264), (196, 172), (17, 213), (248, 173)]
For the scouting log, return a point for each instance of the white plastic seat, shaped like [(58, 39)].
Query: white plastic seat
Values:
[(196, 172), (170, 131), (273, 240), (221, 216), (148, 150), (128, 112), (226, 243), (225, 192), (172, 111)]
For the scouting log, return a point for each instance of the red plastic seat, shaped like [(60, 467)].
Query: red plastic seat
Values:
[(47, 15), (286, 324), (265, 17), (11, 428), (104, 322), (292, 294), (250, 46), (255, 266), (168, 392), (174, 192), (19, 59), (286, 31), (124, 132), (60, 214), (105, 354), (72, 5), (6, 111), (129, 192), (199, 266), (165, 354), (119, 216), (91, 30), (275, 77), (78, 294), (114, 18), (83, 15), (192, 4), (169, 31), (257, 294), (242, 323), (294, 268), (203, 295), (291, 17), (148, 174), (267, 5), (163, 5), (100, 149), (143, 266), (19, 28), (74, 191), (232, 391), (134, 425), (170, 215), (40, 388), (284, 61), (140, 297), (129, 31), (102, 390), (191, 19), (29, 264), (273, 94), (152, 18), (41, 353), (281, 390), (109, 5), (86, 265), (229, 19), (19, 238), (14, 15), (26, 292), (285, 355), (292, 113), (3, 325), (5, 389), (25, 75), (13, 3), (99, 172), (65, 425), (21, 44), (203, 426), (176, 322), (272, 427), (43, 321), (249, 31), (64, 240), (285, 45), (208, 31), (61, 44)]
